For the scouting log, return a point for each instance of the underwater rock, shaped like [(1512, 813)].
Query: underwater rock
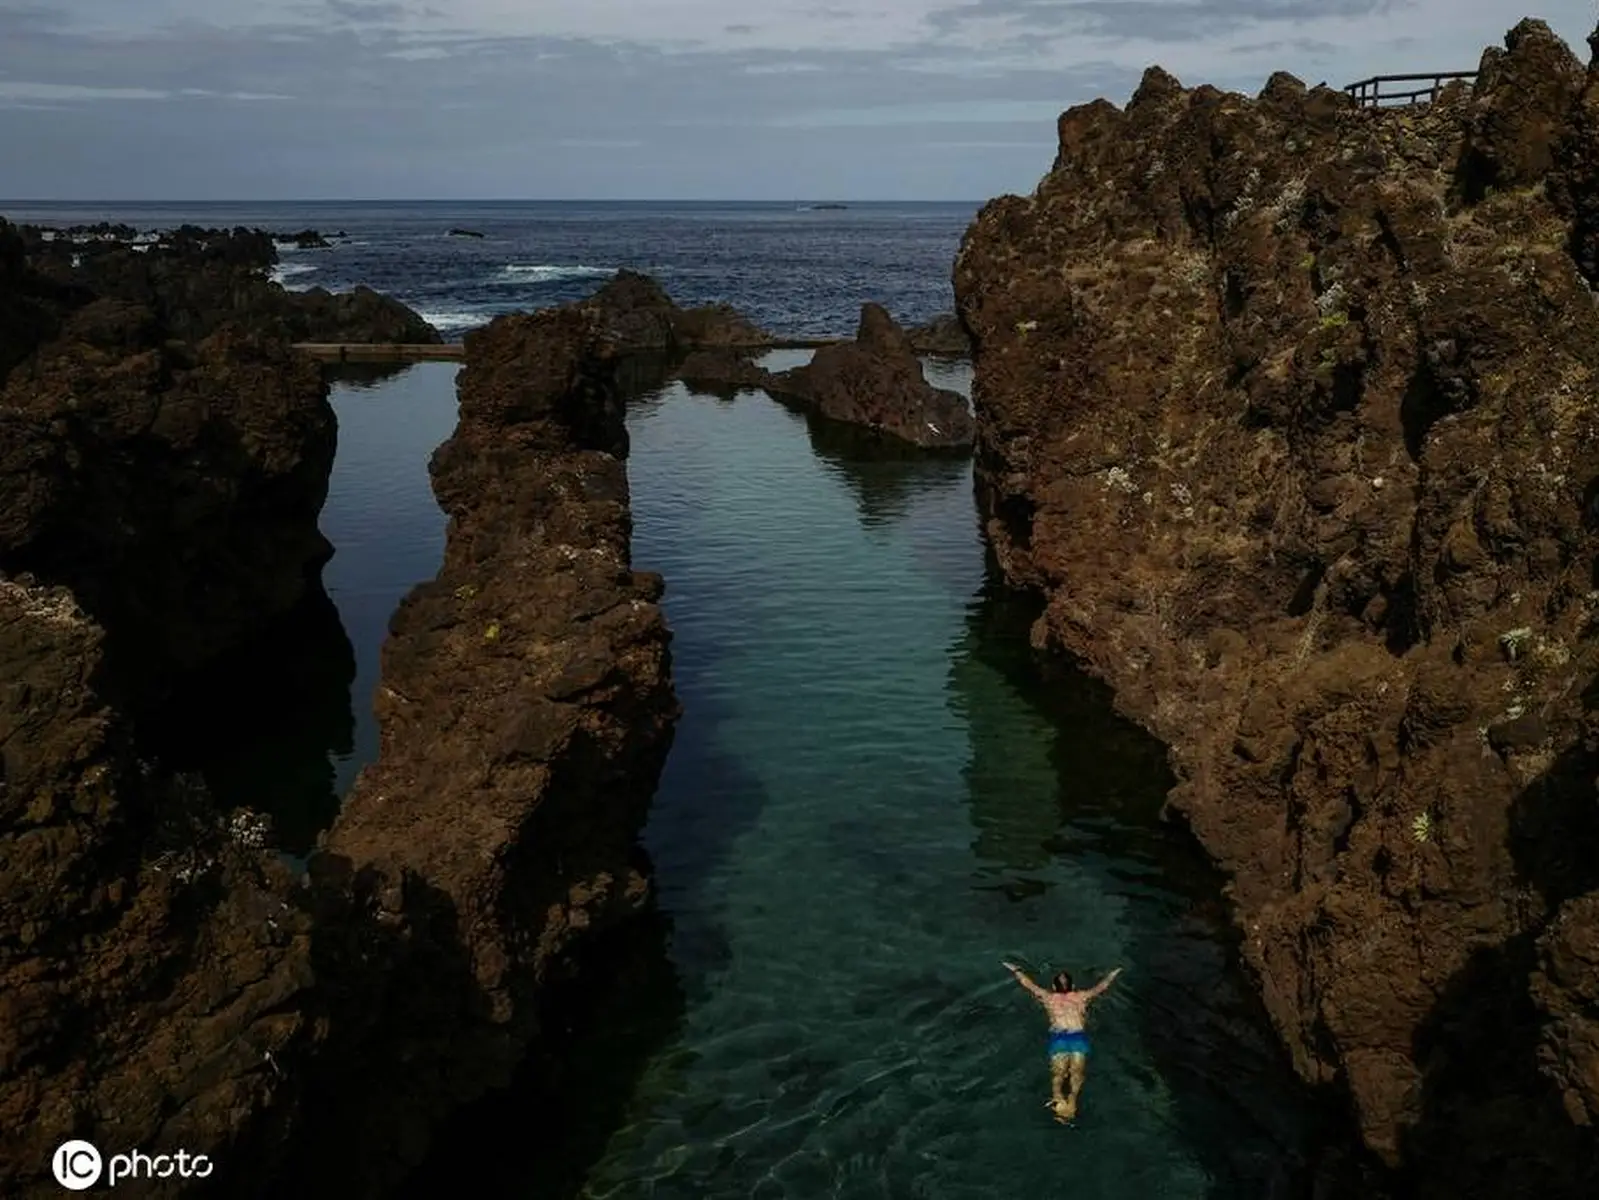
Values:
[(1287, 408)]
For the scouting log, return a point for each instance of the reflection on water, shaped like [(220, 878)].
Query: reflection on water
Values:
[(386, 528), (283, 724)]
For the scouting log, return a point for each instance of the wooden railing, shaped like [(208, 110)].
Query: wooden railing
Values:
[(1369, 93)]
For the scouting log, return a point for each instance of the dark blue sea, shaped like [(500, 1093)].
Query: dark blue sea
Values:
[(871, 800), (795, 269)]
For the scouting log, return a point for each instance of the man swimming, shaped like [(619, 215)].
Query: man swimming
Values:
[(1068, 1042)]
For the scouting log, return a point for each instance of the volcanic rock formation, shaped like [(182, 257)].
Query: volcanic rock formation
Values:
[(526, 710), (1290, 410), (876, 382), (198, 280), (721, 372), (640, 317), (158, 504), (944, 334), (166, 982), (174, 487)]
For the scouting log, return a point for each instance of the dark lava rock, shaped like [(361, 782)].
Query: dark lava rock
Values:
[(196, 281), (359, 315), (943, 335), (639, 317), (164, 981), (306, 239), (876, 382), (526, 710), (721, 372), (173, 487), (1285, 408)]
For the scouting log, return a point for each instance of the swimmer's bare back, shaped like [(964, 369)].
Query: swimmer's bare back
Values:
[(1068, 1010), (1068, 1043)]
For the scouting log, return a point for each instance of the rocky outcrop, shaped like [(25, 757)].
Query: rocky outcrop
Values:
[(305, 239), (149, 958), (1288, 409), (640, 317), (876, 383), (526, 710), (944, 335), (359, 315), (721, 373), (32, 306), (158, 504), (198, 281), (166, 983), (173, 487)]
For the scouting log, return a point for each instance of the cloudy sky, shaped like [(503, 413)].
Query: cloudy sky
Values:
[(656, 99)]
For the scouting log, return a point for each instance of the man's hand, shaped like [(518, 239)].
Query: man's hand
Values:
[(1011, 967)]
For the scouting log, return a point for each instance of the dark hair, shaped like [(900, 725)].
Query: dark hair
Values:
[(1062, 982)]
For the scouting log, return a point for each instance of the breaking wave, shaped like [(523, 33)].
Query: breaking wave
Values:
[(545, 273)]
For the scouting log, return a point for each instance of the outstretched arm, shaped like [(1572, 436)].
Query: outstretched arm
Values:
[(1099, 988), (1022, 978)]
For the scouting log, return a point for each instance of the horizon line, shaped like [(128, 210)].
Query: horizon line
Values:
[(4, 201)]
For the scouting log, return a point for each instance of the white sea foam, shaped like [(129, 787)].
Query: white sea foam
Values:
[(546, 273), (455, 320), (284, 272)]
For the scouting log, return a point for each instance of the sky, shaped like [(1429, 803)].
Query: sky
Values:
[(642, 99)]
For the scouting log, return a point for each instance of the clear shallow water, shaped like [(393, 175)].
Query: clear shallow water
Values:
[(386, 528), (862, 814), (838, 915), (794, 269)]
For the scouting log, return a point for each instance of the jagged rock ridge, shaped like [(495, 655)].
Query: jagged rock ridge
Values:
[(165, 980), (1291, 412)]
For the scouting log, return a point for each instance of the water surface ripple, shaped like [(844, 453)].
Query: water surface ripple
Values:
[(863, 813)]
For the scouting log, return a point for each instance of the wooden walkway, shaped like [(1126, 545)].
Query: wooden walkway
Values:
[(405, 352), (1369, 93)]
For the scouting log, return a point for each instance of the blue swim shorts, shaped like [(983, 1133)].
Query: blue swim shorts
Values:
[(1062, 1041)]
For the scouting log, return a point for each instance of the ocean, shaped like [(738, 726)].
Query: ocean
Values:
[(795, 269)]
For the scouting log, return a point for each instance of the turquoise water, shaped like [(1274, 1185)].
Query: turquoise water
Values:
[(870, 802), (862, 814)]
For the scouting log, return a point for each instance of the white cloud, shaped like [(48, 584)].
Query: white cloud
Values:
[(18, 89)]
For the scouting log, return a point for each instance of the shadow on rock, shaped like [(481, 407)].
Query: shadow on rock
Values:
[(1256, 1129), (260, 724), (602, 1028), (1508, 1069)]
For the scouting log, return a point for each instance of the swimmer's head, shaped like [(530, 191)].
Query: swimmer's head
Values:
[(1062, 982)]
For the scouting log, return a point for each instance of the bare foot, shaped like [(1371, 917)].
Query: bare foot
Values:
[(1064, 1110)]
